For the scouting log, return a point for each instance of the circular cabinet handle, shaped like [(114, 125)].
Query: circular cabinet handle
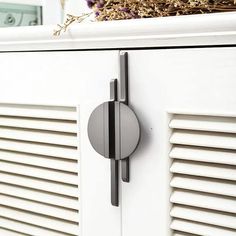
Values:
[(114, 131)]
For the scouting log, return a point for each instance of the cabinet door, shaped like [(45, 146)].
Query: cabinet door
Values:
[(183, 172), (52, 181)]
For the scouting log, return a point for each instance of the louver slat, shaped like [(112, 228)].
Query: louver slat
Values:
[(39, 220), (40, 196), (46, 112), (204, 154), (200, 229), (28, 229), (204, 169), (204, 139), (204, 123), (39, 124), (203, 200), (204, 216), (5, 232), (48, 186), (204, 175), (38, 170), (207, 185), (40, 149), (57, 138), (183, 234), (40, 161), (39, 208)]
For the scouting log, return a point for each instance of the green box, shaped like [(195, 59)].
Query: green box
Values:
[(19, 15)]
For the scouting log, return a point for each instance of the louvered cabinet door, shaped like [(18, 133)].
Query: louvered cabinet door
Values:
[(52, 182), (183, 175)]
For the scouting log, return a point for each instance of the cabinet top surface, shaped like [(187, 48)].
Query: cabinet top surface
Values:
[(178, 31)]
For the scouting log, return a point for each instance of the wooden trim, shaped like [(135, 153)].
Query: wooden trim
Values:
[(209, 29)]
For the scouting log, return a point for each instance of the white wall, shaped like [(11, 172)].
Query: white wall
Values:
[(53, 13), (76, 7)]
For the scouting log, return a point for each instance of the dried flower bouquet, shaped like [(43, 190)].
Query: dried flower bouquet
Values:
[(132, 9)]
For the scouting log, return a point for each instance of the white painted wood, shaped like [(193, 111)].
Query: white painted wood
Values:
[(39, 220), (22, 228), (169, 81), (42, 124), (216, 186), (204, 216), (205, 139), (18, 167), (182, 234), (41, 173), (215, 161), (200, 229), (204, 169), (40, 161), (196, 81), (203, 200), (40, 196), (41, 149), (204, 123), (47, 112), (95, 189), (39, 208), (210, 155), (37, 184), (57, 93), (6, 232), (39, 136), (209, 29)]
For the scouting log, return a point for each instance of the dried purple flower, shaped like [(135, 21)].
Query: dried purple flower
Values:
[(134, 15), (100, 4), (125, 9), (105, 10), (90, 3)]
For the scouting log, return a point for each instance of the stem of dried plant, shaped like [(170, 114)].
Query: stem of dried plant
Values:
[(69, 20)]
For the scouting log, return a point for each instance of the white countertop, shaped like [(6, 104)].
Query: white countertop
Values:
[(194, 30)]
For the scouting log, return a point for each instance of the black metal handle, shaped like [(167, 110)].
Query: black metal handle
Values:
[(114, 131), (114, 162), (124, 97)]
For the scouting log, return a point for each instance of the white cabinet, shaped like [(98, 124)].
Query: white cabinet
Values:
[(52, 181), (185, 102), (182, 175)]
